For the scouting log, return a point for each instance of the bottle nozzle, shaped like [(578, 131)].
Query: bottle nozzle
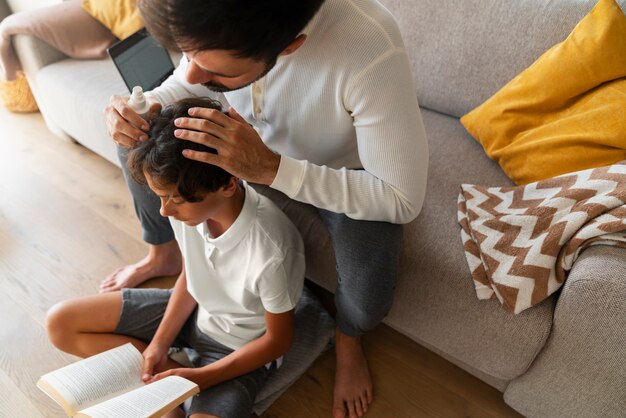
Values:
[(138, 94), (138, 102)]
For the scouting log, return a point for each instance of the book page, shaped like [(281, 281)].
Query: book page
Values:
[(151, 400), (97, 378), (56, 396)]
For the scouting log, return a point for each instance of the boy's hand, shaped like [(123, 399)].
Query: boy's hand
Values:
[(196, 375), (154, 359)]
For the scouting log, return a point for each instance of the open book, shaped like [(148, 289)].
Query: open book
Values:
[(109, 385)]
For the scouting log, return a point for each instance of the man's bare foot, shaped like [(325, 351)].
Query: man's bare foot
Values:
[(353, 384), (162, 260)]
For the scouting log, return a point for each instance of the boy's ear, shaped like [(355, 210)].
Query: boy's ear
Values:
[(294, 45), (229, 189)]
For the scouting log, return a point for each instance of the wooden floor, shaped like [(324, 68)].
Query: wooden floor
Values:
[(66, 220)]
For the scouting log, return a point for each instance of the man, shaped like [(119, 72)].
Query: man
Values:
[(323, 109)]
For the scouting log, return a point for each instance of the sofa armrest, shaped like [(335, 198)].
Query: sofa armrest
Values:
[(5, 10), (35, 54), (581, 370)]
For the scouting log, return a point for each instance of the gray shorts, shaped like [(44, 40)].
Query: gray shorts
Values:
[(142, 311)]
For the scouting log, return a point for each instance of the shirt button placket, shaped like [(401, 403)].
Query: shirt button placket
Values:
[(257, 98), (208, 253)]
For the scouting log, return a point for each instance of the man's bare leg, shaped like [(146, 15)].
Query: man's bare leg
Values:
[(162, 260), (353, 385)]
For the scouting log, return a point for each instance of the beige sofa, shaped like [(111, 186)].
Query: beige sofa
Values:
[(562, 358)]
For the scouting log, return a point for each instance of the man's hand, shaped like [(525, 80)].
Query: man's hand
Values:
[(154, 359), (124, 125), (240, 150)]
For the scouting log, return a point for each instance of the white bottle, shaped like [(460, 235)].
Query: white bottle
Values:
[(138, 102)]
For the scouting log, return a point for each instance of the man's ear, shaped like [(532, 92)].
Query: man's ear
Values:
[(229, 189), (295, 44)]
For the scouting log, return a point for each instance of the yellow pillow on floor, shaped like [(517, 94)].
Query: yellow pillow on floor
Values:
[(16, 95), (567, 111), (122, 17)]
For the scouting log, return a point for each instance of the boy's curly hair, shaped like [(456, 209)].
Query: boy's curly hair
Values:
[(162, 159)]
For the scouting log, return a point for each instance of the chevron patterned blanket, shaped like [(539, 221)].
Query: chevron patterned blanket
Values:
[(520, 242)]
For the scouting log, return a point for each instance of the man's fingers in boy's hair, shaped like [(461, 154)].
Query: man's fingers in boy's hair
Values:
[(203, 138), (216, 116), (197, 128), (203, 157), (233, 114)]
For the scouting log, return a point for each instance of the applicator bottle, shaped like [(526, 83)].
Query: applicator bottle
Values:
[(138, 102)]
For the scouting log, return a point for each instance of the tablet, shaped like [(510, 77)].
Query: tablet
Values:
[(141, 61)]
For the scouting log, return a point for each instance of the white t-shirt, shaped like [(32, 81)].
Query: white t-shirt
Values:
[(256, 265), (343, 101)]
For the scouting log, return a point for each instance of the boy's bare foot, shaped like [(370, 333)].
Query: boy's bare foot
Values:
[(162, 260), (353, 384)]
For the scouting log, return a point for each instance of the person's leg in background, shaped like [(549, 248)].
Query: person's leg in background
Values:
[(163, 258), (367, 255)]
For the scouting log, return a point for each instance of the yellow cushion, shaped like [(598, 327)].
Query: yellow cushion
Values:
[(567, 111), (122, 17)]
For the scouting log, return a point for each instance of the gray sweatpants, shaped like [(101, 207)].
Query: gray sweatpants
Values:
[(367, 255)]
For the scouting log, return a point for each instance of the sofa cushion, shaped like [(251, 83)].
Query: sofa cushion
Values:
[(564, 112), (75, 93), (435, 300), (455, 66), (581, 371)]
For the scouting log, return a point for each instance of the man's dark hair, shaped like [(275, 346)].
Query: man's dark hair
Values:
[(257, 29), (161, 156)]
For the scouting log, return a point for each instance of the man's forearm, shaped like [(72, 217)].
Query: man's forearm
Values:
[(357, 193)]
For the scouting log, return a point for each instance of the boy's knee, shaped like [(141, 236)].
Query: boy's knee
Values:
[(58, 323)]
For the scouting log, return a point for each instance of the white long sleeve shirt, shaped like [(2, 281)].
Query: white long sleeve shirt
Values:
[(342, 113)]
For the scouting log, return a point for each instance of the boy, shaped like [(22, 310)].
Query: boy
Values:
[(234, 301)]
